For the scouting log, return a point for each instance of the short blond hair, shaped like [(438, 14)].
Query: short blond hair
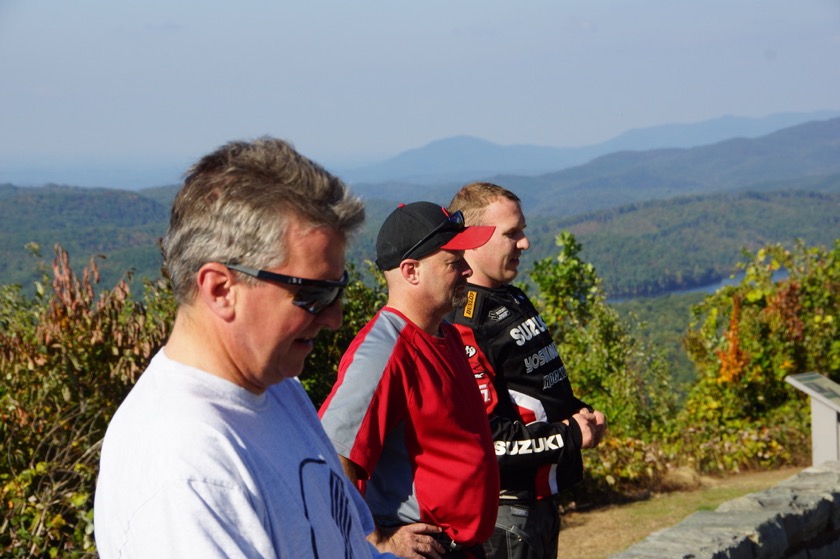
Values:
[(474, 197)]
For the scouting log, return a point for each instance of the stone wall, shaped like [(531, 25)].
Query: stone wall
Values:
[(797, 519)]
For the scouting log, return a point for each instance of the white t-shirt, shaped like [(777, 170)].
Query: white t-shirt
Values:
[(195, 466)]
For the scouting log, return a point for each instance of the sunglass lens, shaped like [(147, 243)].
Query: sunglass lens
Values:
[(316, 299)]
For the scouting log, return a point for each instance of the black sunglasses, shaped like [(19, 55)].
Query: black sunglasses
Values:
[(454, 220), (313, 296)]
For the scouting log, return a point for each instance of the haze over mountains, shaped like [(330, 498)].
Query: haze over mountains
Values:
[(455, 160), (463, 158), (712, 197), (803, 151)]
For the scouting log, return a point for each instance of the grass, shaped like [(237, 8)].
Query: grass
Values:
[(601, 532)]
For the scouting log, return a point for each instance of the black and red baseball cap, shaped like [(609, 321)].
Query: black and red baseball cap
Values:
[(418, 229)]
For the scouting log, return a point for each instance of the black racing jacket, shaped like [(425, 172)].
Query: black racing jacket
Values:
[(526, 391)]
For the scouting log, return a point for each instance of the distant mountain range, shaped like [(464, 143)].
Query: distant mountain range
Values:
[(802, 160), (464, 158), (448, 160), (804, 151)]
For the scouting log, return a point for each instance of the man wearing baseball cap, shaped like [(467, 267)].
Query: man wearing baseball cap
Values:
[(405, 414)]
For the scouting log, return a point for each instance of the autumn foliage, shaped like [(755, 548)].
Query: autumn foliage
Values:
[(782, 319), (67, 358)]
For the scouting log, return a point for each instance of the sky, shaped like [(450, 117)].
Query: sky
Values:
[(122, 85)]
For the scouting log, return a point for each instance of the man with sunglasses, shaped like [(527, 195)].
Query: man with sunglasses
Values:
[(526, 389), (405, 414), (217, 450)]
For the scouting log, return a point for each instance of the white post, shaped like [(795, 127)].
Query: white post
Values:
[(825, 433), (825, 414)]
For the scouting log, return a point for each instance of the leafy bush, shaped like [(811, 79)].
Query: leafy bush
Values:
[(744, 341), (67, 359), (779, 439), (622, 467)]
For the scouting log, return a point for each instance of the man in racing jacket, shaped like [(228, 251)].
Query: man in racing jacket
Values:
[(539, 427)]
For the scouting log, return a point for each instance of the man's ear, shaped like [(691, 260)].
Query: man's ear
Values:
[(216, 289), (410, 271)]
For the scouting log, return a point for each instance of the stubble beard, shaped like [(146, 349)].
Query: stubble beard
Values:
[(459, 299)]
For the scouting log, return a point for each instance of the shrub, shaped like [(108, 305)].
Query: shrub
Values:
[(622, 467), (744, 341), (67, 359)]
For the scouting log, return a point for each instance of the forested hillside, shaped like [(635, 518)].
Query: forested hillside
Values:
[(650, 221), (121, 225), (639, 249), (655, 247)]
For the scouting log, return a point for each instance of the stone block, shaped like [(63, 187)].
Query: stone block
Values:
[(763, 528), (800, 514), (686, 542), (803, 514)]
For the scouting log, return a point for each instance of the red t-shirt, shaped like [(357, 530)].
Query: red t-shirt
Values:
[(406, 409)]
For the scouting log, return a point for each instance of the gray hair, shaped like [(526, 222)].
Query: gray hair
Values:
[(236, 204)]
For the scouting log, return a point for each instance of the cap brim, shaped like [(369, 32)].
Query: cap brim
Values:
[(471, 237)]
